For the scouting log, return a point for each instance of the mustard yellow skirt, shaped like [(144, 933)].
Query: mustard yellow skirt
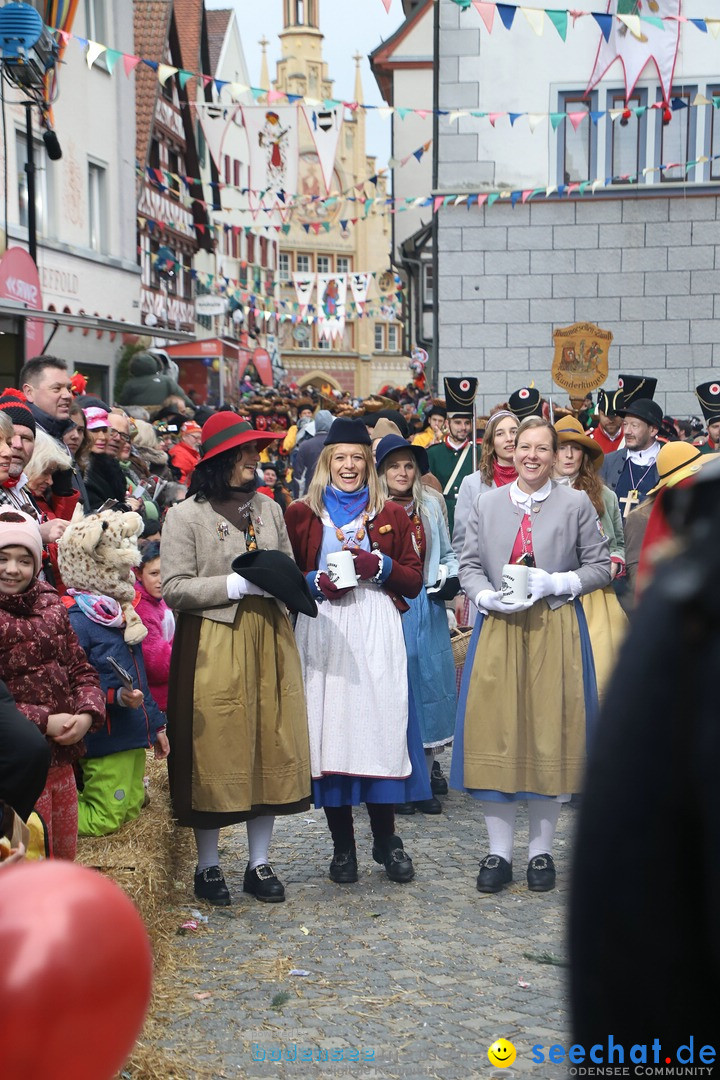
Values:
[(607, 626), (523, 708), (236, 718)]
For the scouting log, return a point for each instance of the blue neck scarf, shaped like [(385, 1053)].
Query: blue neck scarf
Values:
[(345, 506)]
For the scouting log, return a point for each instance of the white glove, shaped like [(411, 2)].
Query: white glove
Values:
[(541, 584), (238, 586), (488, 600)]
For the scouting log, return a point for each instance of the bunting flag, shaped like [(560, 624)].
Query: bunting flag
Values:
[(304, 285), (59, 14), (215, 121), (636, 43), (359, 284), (331, 313), (325, 125), (273, 152)]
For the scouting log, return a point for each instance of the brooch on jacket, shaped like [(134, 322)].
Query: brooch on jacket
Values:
[(223, 530)]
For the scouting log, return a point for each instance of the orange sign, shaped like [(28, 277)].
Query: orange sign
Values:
[(580, 363)]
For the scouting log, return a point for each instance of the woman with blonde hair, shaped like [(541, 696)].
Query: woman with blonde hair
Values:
[(578, 462), (362, 748), (528, 693)]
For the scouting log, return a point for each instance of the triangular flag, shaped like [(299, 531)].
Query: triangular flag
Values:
[(275, 95), (93, 51), (536, 18), (700, 23), (559, 19), (633, 24), (595, 115), (713, 26), (556, 119), (164, 73), (515, 197), (130, 62), (437, 203), (655, 20), (526, 195), (495, 116), (486, 12), (700, 99), (184, 77), (576, 118), (507, 14), (386, 5), (111, 58), (534, 119), (513, 117), (605, 24), (493, 196), (482, 199)]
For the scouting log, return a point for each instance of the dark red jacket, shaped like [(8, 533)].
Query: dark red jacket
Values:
[(390, 532), (43, 665)]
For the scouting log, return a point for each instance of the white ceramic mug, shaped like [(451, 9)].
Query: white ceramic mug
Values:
[(341, 569), (514, 583)]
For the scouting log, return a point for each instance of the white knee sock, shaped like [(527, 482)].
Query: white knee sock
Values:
[(259, 833), (207, 847), (500, 824), (429, 758), (543, 817)]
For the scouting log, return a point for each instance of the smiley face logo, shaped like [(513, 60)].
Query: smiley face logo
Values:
[(501, 1053)]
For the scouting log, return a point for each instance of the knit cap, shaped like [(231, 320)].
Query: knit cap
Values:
[(20, 529), (14, 404)]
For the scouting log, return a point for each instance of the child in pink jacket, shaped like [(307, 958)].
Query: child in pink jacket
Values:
[(158, 618)]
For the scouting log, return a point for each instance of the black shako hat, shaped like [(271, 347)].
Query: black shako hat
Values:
[(636, 386), (460, 396), (343, 430), (644, 409), (276, 573), (610, 401), (525, 402), (708, 394)]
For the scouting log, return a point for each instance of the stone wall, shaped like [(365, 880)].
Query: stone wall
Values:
[(647, 269)]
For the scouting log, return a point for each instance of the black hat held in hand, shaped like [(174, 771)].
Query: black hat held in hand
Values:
[(276, 573)]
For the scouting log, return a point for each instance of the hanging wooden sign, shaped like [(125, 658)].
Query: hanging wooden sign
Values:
[(580, 363)]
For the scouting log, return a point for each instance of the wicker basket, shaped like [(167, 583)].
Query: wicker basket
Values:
[(460, 639)]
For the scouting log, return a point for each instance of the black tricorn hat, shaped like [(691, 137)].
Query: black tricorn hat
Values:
[(708, 394), (525, 402), (636, 386), (460, 396), (276, 573)]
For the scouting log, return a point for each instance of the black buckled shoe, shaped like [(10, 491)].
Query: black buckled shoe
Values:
[(343, 868), (210, 885), (494, 873), (438, 783), (262, 883), (429, 806), (541, 873), (390, 853), (405, 808)]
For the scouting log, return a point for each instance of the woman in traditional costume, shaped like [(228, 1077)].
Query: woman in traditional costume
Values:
[(361, 746), (578, 460), (528, 691), (431, 668), (236, 708)]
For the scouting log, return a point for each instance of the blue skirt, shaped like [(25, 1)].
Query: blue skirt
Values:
[(431, 669), (591, 712), (336, 790)]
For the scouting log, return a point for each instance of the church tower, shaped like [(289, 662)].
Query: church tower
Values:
[(334, 232)]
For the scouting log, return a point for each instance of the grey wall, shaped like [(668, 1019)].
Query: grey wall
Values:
[(644, 265), (647, 269)]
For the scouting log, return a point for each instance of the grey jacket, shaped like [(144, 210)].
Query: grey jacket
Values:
[(472, 486), (198, 546), (567, 535)]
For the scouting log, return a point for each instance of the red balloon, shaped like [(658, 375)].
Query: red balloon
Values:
[(75, 973)]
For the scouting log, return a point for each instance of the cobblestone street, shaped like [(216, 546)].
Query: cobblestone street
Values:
[(377, 979)]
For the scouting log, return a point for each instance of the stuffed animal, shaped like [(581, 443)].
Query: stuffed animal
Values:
[(97, 554)]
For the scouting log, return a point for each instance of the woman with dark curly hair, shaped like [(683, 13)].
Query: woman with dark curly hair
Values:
[(236, 707)]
